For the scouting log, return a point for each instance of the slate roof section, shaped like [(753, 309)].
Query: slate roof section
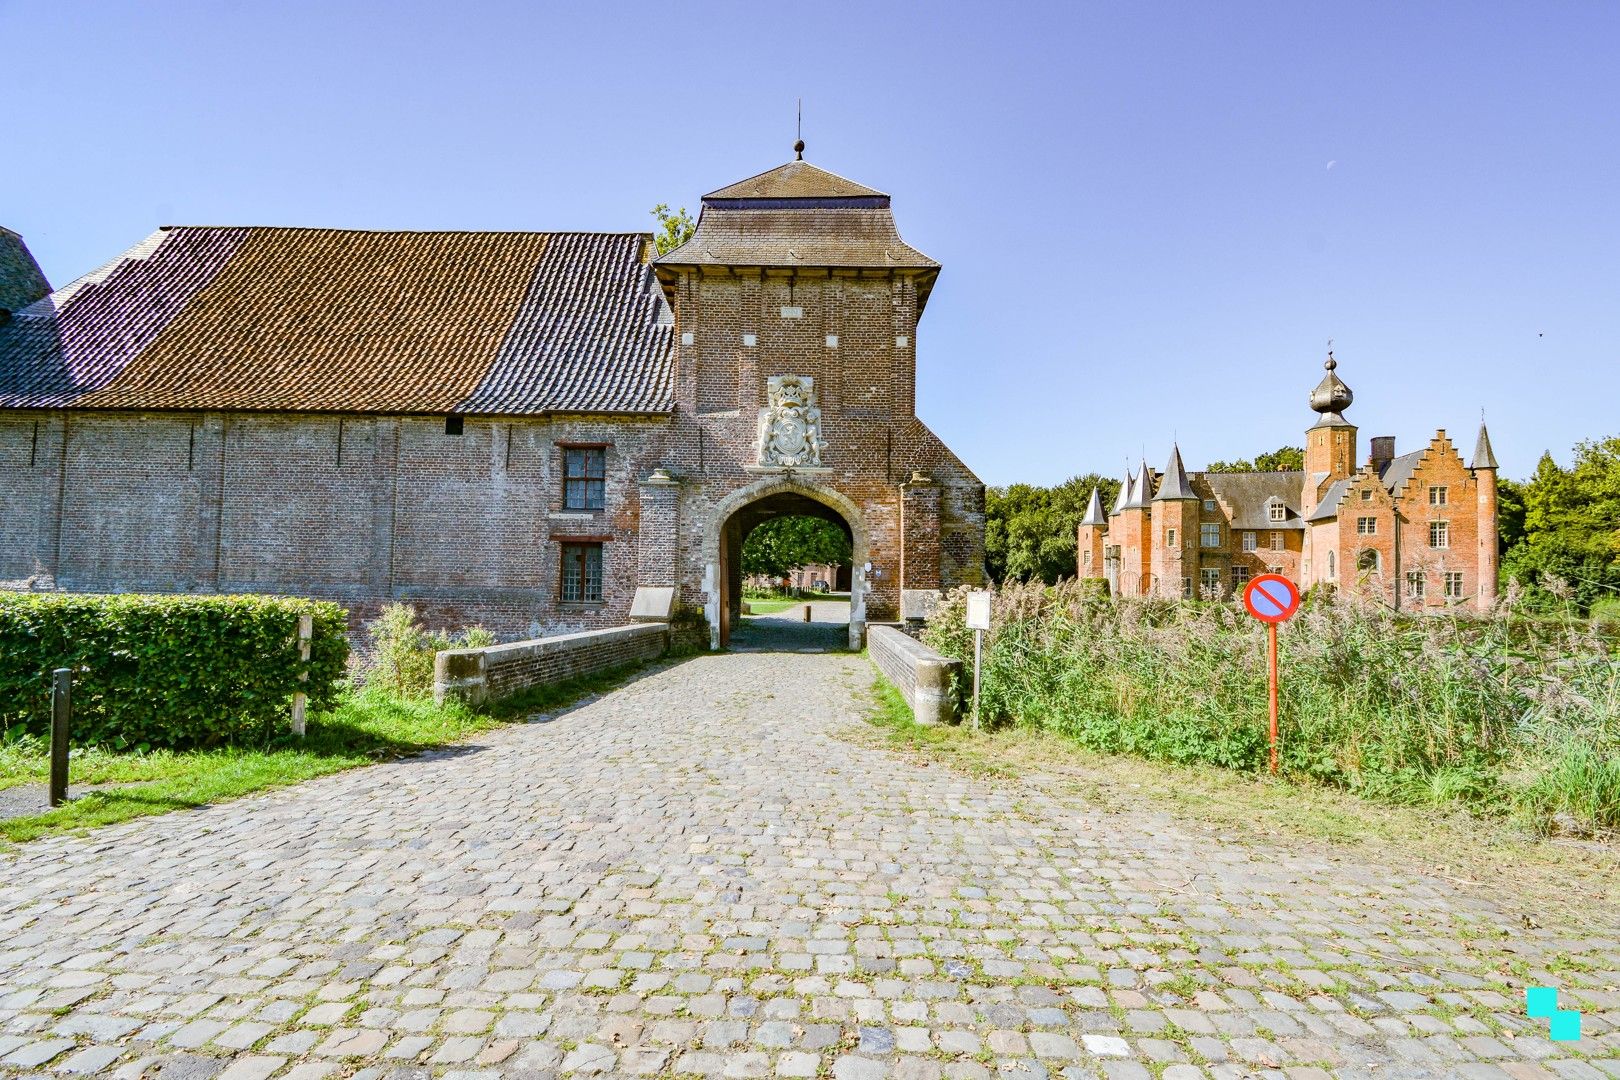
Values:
[(1175, 484), (1484, 457), (1248, 495), (1127, 494), (1328, 508), (330, 320), (795, 180), (1094, 510), (21, 280), (1141, 488), (1398, 470)]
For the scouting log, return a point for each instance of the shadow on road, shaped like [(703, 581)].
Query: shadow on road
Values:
[(786, 631)]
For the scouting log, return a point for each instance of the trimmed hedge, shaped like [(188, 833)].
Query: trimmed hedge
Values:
[(165, 671)]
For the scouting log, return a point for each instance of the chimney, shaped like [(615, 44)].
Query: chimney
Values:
[(1383, 451)]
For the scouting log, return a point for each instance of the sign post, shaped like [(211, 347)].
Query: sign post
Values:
[(1272, 599), (978, 620)]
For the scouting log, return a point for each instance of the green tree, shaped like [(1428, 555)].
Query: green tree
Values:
[(1571, 526), (1282, 459), (777, 546), (1030, 533), (674, 228)]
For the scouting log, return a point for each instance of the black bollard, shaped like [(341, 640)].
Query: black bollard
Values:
[(61, 716)]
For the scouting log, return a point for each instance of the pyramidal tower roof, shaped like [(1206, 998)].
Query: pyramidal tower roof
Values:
[(796, 180), (1127, 494), (1484, 457), (1094, 510), (1175, 485), (1141, 488)]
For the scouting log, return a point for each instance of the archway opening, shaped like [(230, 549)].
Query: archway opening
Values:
[(786, 540)]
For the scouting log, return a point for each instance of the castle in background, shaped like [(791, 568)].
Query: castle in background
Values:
[(1416, 530)]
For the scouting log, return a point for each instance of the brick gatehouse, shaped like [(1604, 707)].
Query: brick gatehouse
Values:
[(518, 429)]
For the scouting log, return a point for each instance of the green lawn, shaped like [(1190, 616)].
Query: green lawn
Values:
[(365, 728)]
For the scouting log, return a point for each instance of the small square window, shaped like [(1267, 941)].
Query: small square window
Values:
[(832, 341), (1366, 495), (1414, 584), (1249, 541), (1366, 526), (584, 477), (1454, 584), (1439, 534), (1439, 496), (1209, 506), (1240, 577), (582, 573), (452, 425), (1279, 512), (749, 341), (1209, 536), (1277, 542)]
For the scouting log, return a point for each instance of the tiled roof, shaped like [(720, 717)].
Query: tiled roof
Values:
[(350, 320), (795, 180), (21, 282), (1248, 496)]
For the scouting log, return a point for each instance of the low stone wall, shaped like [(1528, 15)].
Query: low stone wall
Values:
[(922, 675), (499, 671)]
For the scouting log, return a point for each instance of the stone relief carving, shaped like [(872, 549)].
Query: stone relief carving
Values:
[(790, 425)]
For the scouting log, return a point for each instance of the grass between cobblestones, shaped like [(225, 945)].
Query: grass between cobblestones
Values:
[(1493, 856), (366, 727)]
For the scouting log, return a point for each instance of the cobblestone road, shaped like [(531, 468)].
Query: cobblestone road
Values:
[(697, 874)]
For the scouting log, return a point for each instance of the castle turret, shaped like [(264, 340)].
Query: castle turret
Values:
[(1175, 529), (1135, 525), (1484, 467), (1092, 535)]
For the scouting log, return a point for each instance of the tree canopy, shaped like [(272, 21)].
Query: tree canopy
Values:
[(1030, 532), (1563, 526), (1282, 459), (780, 545), (675, 227)]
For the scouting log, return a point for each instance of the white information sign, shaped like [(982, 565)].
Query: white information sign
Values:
[(978, 611)]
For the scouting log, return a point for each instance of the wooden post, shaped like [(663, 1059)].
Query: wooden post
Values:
[(807, 613), (61, 718), (306, 630)]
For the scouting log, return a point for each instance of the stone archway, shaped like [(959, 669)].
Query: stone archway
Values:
[(775, 496)]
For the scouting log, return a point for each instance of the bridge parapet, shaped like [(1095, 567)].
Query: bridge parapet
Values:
[(922, 676), (476, 676)]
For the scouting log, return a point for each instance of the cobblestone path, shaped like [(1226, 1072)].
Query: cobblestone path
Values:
[(697, 874)]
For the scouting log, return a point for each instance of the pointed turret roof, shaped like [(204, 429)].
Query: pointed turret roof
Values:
[(1483, 457), (21, 282), (1127, 494), (1141, 487), (1175, 485), (1094, 510)]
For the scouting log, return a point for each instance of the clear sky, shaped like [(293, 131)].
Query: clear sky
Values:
[(1152, 217)]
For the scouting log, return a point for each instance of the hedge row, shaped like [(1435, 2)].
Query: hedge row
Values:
[(165, 671)]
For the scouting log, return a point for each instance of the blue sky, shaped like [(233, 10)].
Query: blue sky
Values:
[(1152, 217)]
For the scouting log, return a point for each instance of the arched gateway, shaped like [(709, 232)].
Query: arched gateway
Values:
[(737, 515)]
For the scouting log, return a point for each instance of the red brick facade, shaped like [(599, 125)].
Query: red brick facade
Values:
[(1417, 531)]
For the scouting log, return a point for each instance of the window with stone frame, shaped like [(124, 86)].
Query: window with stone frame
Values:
[(1439, 534), (1169, 538), (1366, 526), (1454, 584), (1277, 511), (1439, 495), (1277, 541), (1366, 495), (1209, 535), (584, 477), (1085, 558), (582, 573), (1415, 580), (1333, 568), (1209, 578), (1240, 577), (1209, 506), (1249, 541)]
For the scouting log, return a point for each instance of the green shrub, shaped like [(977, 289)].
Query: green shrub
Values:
[(1606, 614), (403, 649), (165, 671), (1469, 710)]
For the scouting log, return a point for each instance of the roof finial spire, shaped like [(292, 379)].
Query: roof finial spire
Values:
[(1331, 363), (798, 138)]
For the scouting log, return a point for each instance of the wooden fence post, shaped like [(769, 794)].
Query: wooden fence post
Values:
[(306, 630)]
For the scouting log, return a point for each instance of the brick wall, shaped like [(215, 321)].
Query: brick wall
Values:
[(922, 675), (477, 676)]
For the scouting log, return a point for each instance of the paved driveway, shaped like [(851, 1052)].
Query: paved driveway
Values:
[(697, 875)]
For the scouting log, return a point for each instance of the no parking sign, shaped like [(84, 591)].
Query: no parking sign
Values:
[(1272, 599)]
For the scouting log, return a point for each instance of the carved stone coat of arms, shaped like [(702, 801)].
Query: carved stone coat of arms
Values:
[(790, 425)]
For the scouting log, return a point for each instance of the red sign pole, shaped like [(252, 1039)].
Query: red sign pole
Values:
[(1271, 632)]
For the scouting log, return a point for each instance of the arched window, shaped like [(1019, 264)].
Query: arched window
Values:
[(1367, 560), (1332, 558)]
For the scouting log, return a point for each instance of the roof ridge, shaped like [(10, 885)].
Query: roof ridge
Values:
[(417, 232)]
